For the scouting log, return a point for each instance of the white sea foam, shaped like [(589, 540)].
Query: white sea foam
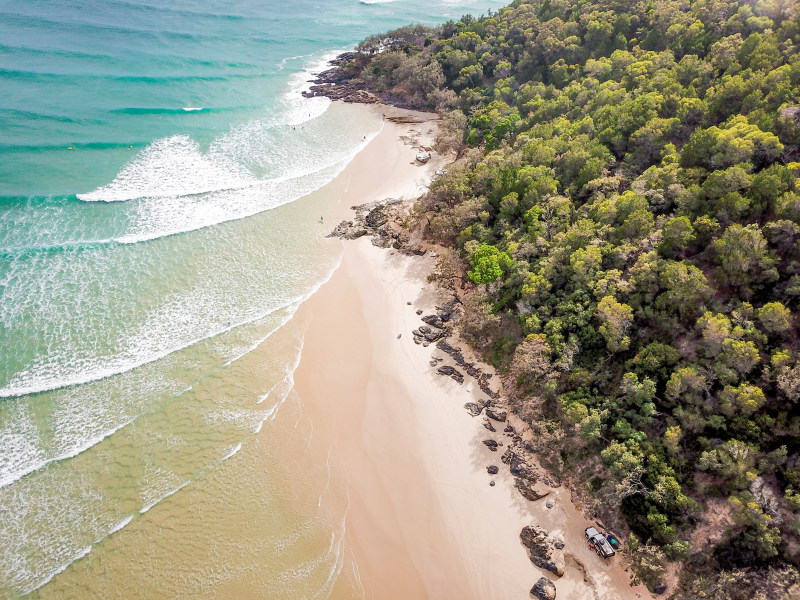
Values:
[(163, 497), (173, 166), (193, 108), (299, 171), (144, 347), (232, 452), (298, 109), (59, 569), (81, 553), (266, 394), (22, 465), (117, 527), (288, 384)]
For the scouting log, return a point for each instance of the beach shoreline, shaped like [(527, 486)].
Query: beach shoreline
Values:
[(423, 520)]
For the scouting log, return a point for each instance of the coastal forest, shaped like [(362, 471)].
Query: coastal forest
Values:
[(624, 219)]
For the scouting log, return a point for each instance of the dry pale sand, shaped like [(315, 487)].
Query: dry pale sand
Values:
[(423, 521)]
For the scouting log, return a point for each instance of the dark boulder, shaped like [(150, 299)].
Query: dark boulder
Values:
[(491, 445), (520, 467), (449, 371), (433, 321), (496, 413), (450, 311), (544, 589), (432, 336)]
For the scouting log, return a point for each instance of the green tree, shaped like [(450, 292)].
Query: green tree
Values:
[(775, 318), (488, 264), (758, 538), (615, 320), (677, 236), (686, 288), (656, 360), (741, 355), (744, 399), (687, 384), (715, 328), (744, 259), (738, 141)]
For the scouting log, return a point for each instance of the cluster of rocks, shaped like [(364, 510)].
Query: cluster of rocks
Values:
[(343, 82), (339, 83), (425, 335), (472, 370), (374, 219), (437, 327), (518, 457)]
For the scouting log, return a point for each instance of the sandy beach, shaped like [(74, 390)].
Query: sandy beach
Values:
[(423, 520)]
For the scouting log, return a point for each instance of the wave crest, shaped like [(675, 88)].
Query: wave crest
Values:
[(173, 166)]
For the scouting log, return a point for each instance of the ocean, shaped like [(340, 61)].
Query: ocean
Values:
[(161, 183)]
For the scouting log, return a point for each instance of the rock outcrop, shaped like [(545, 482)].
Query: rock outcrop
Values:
[(375, 219), (542, 549), (517, 461), (530, 491)]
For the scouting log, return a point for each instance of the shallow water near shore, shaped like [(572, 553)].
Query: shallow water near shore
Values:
[(150, 441)]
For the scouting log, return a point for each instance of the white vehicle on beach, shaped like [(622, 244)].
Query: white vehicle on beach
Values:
[(600, 543), (423, 156)]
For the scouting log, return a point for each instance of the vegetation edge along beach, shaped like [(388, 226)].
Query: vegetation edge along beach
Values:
[(620, 226)]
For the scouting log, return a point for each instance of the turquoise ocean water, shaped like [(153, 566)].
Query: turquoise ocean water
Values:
[(158, 173)]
